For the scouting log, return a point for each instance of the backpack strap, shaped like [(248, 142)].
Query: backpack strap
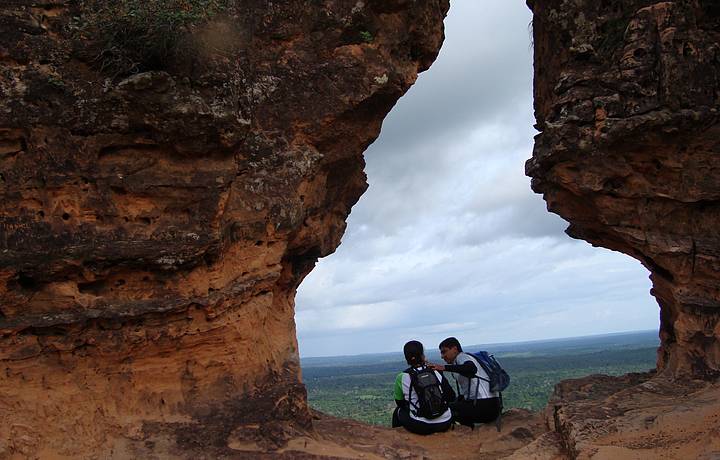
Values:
[(413, 376), (477, 385), (477, 390), (484, 368), (498, 420)]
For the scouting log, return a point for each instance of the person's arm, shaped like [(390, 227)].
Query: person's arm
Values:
[(398, 392), (448, 392), (466, 369)]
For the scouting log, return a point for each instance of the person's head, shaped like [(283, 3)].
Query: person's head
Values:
[(449, 349), (414, 353)]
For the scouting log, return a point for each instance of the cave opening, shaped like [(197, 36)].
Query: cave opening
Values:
[(449, 239)]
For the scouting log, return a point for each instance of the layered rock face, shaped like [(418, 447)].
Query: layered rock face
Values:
[(161, 205), (634, 416), (626, 99)]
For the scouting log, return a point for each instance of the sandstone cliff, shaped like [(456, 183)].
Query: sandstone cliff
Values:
[(626, 99), (169, 173)]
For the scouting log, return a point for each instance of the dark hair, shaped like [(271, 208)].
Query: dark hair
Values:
[(414, 352), (449, 343)]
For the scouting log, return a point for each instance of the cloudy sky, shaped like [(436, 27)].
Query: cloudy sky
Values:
[(449, 239)]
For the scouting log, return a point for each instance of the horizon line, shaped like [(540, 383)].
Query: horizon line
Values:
[(519, 342)]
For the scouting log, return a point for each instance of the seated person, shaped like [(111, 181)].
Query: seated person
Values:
[(475, 403), (422, 395)]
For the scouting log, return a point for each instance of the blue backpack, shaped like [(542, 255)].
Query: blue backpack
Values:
[(497, 377)]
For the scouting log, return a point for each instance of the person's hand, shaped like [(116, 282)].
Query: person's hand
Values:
[(436, 367)]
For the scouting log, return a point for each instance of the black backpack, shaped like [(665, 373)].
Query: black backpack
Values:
[(431, 401)]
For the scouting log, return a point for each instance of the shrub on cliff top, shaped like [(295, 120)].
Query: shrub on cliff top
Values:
[(129, 36)]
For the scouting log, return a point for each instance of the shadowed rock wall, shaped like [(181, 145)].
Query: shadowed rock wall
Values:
[(626, 99), (157, 215)]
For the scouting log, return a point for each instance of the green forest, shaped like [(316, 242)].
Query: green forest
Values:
[(357, 388)]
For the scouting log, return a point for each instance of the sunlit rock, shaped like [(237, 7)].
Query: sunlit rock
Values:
[(170, 171)]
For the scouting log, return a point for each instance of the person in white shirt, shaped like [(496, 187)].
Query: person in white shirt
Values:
[(475, 402)]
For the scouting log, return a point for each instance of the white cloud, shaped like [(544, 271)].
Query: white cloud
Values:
[(449, 239), (350, 317)]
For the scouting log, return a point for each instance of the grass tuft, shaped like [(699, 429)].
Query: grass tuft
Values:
[(130, 36), (366, 36)]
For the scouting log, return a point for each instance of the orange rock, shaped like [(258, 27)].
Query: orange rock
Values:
[(158, 214)]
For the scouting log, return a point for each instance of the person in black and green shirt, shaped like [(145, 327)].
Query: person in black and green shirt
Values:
[(406, 395)]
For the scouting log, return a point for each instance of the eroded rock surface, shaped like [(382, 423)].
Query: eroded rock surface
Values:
[(626, 99), (157, 216), (635, 416), (521, 430)]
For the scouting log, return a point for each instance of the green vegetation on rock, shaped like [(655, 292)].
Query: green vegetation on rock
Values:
[(130, 36), (366, 36)]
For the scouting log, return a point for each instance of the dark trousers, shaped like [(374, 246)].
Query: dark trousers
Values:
[(401, 417), (468, 412)]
